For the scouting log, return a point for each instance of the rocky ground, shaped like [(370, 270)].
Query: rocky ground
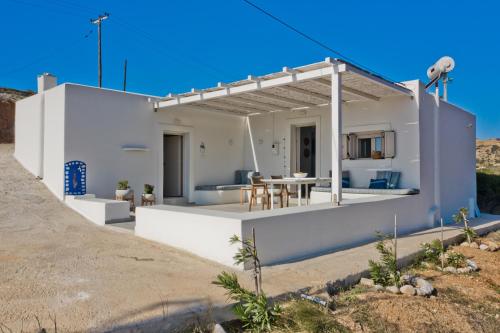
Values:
[(488, 155), (461, 302)]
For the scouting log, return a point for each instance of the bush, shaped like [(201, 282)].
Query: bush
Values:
[(148, 189), (122, 185), (432, 251), (253, 310), (385, 272), (461, 217), (488, 192), (455, 259)]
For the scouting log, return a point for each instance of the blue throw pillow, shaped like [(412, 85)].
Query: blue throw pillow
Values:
[(346, 182), (378, 183)]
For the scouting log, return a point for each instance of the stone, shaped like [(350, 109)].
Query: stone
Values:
[(483, 247), (474, 245), (408, 279), (472, 264), (424, 288), (218, 329), (408, 290), (450, 269), (392, 289), (492, 246), (464, 244), (464, 270), (366, 282), (378, 288)]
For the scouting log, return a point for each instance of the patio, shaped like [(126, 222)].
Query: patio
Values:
[(331, 122)]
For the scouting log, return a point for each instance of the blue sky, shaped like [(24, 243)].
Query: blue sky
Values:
[(175, 45)]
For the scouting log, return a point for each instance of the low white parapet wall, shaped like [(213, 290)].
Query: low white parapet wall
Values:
[(199, 231), (282, 235), (97, 210)]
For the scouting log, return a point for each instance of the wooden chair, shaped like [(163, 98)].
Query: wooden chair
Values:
[(259, 190), (281, 191)]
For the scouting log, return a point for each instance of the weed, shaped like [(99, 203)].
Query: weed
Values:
[(303, 316), (386, 271)]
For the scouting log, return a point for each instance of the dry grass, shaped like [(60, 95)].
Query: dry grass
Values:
[(464, 303)]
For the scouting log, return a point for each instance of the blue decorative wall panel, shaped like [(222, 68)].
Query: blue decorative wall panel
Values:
[(75, 178)]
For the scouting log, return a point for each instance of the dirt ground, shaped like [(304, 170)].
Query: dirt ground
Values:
[(56, 264), (464, 302), (53, 262)]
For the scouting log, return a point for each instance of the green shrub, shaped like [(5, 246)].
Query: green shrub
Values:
[(253, 308), (461, 217), (385, 272), (455, 259), (254, 311), (148, 189), (432, 251), (488, 191), (122, 185)]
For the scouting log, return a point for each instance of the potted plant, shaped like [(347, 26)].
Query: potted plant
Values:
[(148, 191), (122, 189), (376, 155)]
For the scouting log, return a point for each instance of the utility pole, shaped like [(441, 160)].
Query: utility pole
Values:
[(125, 76), (98, 21)]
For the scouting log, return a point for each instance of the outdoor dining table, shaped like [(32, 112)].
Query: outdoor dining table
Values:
[(295, 181)]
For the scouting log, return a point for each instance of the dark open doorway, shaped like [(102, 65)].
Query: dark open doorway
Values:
[(173, 165)]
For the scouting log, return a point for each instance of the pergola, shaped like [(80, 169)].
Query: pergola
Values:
[(330, 82)]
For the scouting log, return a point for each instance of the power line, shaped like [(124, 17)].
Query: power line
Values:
[(314, 40)]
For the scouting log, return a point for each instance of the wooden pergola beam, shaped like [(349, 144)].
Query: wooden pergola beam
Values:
[(322, 97), (229, 107), (280, 98), (254, 103)]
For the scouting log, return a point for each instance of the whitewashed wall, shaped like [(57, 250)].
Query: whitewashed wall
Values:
[(399, 114), (100, 122), (314, 230), (28, 134), (457, 129), (54, 137)]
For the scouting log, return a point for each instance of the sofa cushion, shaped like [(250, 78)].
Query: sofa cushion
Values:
[(391, 176), (378, 183), (346, 182), (398, 191), (394, 181)]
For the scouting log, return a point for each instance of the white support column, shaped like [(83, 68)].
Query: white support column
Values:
[(336, 104)]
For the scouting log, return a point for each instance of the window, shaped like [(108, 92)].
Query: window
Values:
[(364, 148), (369, 145)]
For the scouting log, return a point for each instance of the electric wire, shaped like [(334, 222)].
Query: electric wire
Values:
[(314, 40)]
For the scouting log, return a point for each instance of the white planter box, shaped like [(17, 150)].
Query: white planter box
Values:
[(99, 211)]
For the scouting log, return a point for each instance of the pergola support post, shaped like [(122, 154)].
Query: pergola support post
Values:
[(336, 104)]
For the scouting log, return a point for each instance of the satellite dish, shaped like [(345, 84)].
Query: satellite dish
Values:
[(443, 65)]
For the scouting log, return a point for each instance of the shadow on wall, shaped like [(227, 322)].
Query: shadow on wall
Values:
[(488, 192)]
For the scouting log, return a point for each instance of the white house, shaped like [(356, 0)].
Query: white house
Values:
[(326, 118)]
